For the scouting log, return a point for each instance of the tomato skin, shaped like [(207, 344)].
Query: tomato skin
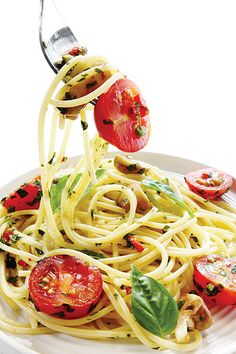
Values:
[(122, 117), (7, 235), (64, 286), (26, 197), (209, 183), (215, 279)]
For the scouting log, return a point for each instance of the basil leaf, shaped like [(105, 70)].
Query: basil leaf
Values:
[(167, 190), (93, 254), (152, 305), (58, 187)]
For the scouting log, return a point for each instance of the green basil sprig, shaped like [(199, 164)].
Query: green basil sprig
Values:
[(93, 254), (152, 305), (58, 186), (162, 187)]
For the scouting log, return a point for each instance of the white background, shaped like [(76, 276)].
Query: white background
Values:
[(182, 54)]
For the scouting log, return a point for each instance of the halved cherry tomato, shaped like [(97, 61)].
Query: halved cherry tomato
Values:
[(64, 286), (77, 50), (28, 196), (209, 183), (215, 279), (122, 117)]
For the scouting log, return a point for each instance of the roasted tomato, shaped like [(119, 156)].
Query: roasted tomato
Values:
[(209, 183), (64, 286), (215, 279), (28, 196), (122, 117)]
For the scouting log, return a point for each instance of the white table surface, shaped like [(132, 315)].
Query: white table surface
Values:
[(182, 55)]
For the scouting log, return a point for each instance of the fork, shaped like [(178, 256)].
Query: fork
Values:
[(53, 41)]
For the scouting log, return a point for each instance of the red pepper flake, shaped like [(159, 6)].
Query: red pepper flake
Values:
[(77, 51), (128, 290), (22, 263), (132, 240), (7, 236)]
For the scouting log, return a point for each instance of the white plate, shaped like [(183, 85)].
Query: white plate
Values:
[(220, 338)]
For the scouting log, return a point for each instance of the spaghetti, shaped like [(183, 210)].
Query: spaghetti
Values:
[(89, 222)]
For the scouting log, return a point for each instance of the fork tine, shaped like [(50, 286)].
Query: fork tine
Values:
[(54, 43)]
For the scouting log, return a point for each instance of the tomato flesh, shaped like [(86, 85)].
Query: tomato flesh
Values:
[(209, 183), (122, 117), (28, 196), (65, 286), (215, 279)]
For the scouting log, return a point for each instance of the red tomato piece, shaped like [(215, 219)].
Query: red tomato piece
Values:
[(215, 279), (122, 117), (128, 290), (209, 183), (28, 196), (77, 50), (132, 242), (7, 235), (22, 263), (65, 286)]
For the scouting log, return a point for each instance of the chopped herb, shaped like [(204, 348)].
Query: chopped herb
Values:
[(233, 270), (91, 84), (3, 199), (37, 183), (141, 130), (107, 121), (166, 228), (11, 209), (141, 171), (36, 199), (92, 213), (211, 290), (116, 295), (40, 252), (59, 314), (98, 244), (132, 167), (52, 158), (128, 335), (15, 238), (10, 222), (41, 232), (166, 181), (69, 308), (94, 255), (84, 125), (62, 110), (180, 304), (99, 71), (68, 96), (22, 193), (2, 240), (12, 280), (10, 262)]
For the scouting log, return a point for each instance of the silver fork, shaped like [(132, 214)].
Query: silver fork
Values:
[(54, 36)]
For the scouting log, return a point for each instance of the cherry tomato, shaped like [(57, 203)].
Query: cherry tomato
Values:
[(64, 286), (209, 183), (122, 117), (28, 196), (78, 50), (215, 279)]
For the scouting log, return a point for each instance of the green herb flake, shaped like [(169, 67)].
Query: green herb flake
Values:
[(91, 84), (41, 232), (98, 244), (180, 304), (166, 228), (99, 71), (132, 167), (107, 121), (40, 252), (116, 295), (22, 193), (93, 254), (12, 280), (152, 305), (14, 238), (84, 125), (10, 262), (52, 158), (59, 314), (233, 270)]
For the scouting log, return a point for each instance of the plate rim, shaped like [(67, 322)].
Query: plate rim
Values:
[(8, 338)]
